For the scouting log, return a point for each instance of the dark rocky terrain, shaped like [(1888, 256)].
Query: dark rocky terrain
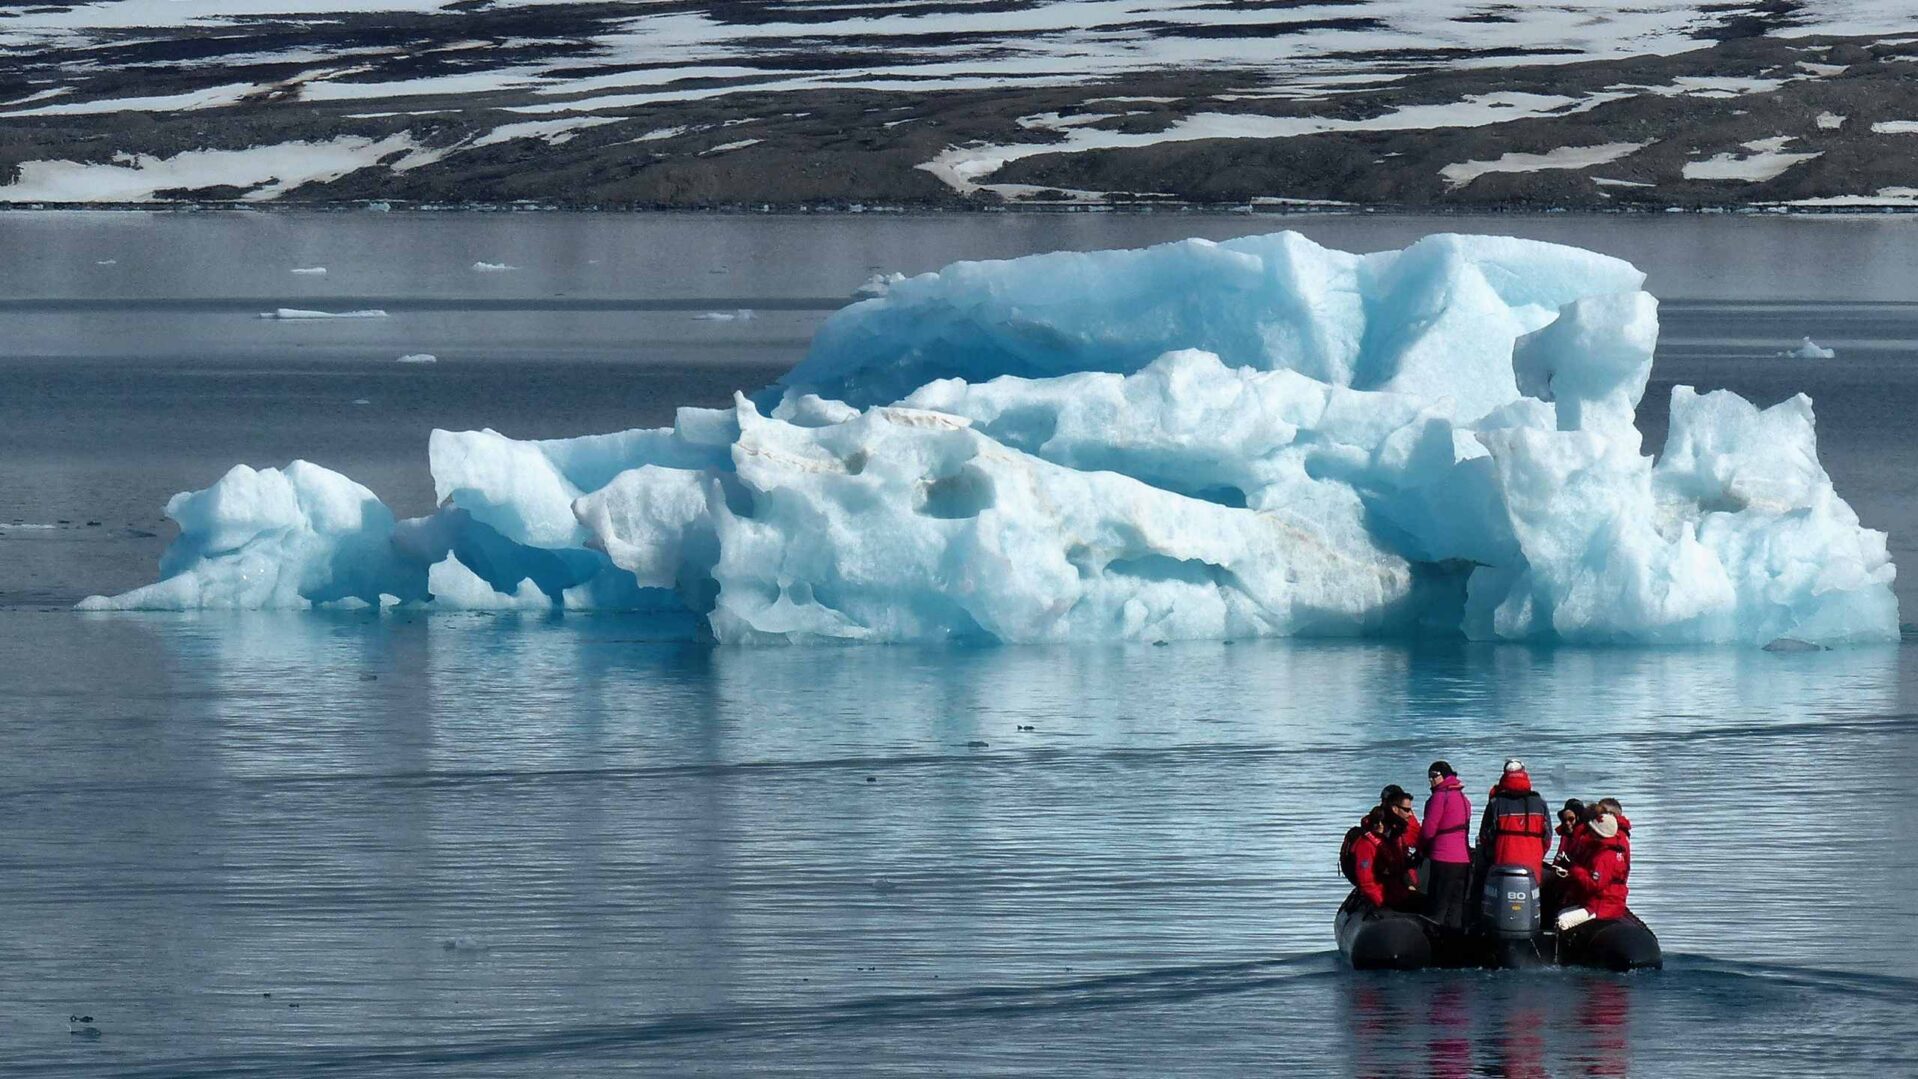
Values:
[(575, 105)]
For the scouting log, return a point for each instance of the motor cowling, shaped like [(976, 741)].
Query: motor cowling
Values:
[(1510, 906)]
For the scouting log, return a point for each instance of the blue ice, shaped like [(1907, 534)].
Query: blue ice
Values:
[(1261, 437)]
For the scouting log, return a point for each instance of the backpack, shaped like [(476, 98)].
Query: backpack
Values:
[(1348, 860)]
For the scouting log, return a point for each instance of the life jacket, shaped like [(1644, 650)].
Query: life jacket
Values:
[(1516, 828)]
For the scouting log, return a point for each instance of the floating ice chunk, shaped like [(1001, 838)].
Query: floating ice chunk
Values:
[(492, 267), (276, 538), (907, 524), (418, 357), (1196, 440), (106, 262), (310, 271), (877, 285), (1750, 480), (296, 314), (1442, 315), (525, 490), (454, 586), (1593, 362), (741, 315), (1809, 349)]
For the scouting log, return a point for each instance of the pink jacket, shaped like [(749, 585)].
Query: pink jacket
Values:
[(1448, 813)]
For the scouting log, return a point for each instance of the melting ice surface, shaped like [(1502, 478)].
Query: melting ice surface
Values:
[(1260, 437)]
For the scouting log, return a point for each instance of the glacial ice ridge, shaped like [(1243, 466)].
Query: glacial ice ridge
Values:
[(1260, 437)]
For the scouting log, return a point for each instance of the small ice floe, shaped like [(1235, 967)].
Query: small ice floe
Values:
[(1809, 349), (300, 314), (419, 357), (379, 207), (742, 315), (361, 401), (310, 271), (492, 267), (461, 944), (877, 285), (106, 262)]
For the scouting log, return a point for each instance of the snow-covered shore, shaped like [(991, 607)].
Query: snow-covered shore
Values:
[(1373, 103)]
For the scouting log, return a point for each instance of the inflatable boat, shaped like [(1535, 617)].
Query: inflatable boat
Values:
[(1510, 933)]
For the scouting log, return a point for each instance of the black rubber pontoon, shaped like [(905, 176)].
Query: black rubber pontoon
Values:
[(1611, 944), (1372, 939)]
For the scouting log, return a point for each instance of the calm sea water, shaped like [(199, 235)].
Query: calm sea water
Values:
[(474, 845)]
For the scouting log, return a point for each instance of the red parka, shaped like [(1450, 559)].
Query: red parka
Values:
[(1516, 828), (1601, 866), (1567, 842), (1382, 864)]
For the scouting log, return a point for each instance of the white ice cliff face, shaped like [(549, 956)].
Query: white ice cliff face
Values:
[(1197, 440)]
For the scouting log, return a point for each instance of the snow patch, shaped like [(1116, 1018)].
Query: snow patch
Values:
[(262, 172), (1768, 160), (963, 167), (1563, 157)]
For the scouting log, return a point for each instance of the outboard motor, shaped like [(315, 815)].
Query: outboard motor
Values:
[(1510, 915)]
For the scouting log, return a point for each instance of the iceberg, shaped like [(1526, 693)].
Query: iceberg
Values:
[(1261, 437)]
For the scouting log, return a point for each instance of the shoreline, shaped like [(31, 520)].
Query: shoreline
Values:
[(935, 210)]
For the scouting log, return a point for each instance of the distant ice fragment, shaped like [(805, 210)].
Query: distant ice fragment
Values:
[(1199, 440), (1810, 350), (294, 314), (493, 267), (310, 271), (418, 357), (106, 262), (877, 285), (276, 538), (741, 315)]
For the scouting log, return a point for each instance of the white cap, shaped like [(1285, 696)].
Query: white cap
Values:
[(1513, 764)]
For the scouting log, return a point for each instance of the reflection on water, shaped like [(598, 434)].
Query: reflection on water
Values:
[(484, 841)]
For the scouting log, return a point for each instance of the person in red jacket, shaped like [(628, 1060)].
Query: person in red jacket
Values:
[(1596, 884), (1570, 816), (1516, 827), (1403, 823), (1380, 858)]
